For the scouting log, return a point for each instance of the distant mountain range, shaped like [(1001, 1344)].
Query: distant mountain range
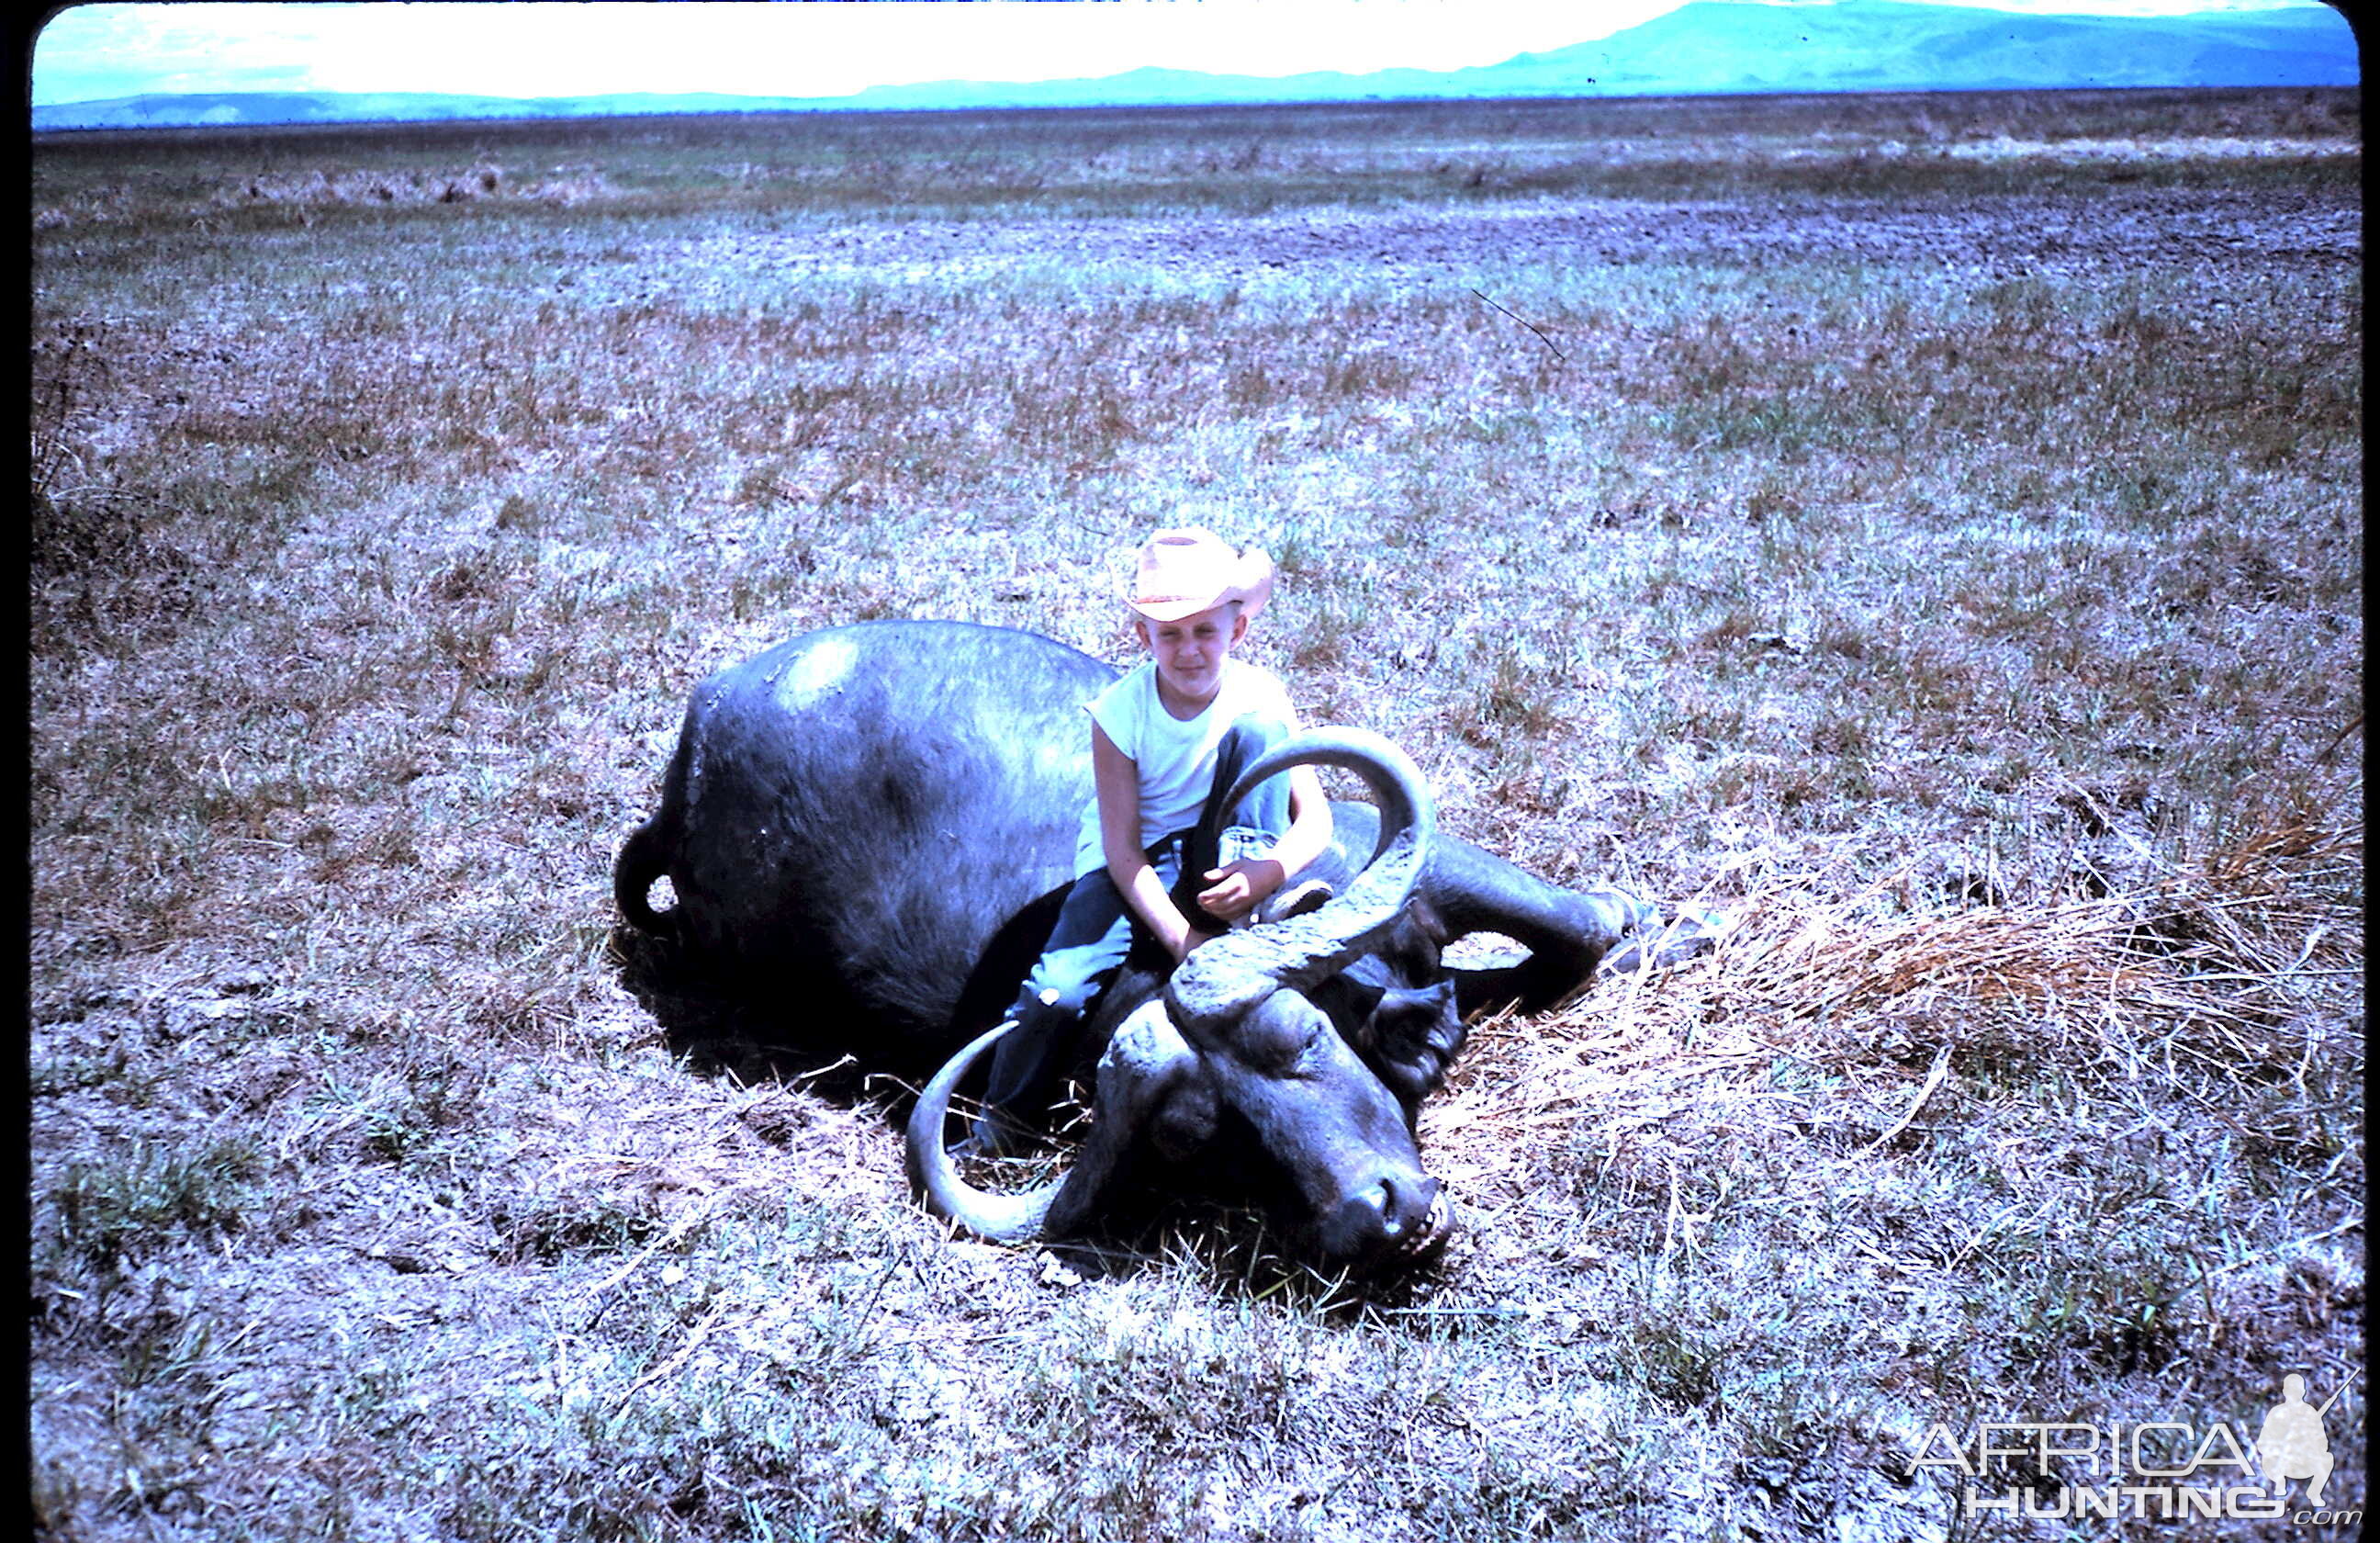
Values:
[(1706, 47)]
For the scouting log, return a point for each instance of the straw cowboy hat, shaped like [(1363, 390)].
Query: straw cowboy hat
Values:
[(1183, 572)]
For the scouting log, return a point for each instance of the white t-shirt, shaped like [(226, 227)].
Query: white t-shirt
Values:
[(1174, 756)]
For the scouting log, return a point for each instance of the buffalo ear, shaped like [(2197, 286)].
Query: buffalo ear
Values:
[(1349, 1002), (1415, 1034), (1147, 1063)]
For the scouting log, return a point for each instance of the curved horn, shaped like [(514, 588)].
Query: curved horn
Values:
[(1227, 976), (1144, 1063), (1001, 1217)]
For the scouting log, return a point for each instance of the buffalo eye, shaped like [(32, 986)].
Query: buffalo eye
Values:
[(1184, 1122), (1276, 1037)]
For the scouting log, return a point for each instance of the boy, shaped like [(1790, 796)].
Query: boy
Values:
[(1167, 740)]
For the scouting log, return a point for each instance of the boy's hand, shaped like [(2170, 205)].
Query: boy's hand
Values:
[(1236, 889)]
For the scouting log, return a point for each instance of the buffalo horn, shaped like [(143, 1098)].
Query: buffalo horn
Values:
[(1001, 1217), (1227, 977)]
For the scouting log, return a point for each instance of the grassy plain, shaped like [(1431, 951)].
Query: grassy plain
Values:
[(1927, 527)]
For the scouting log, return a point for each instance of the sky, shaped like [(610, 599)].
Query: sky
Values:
[(530, 48)]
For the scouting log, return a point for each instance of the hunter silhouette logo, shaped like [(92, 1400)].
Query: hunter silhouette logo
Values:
[(2292, 1443), (2151, 1469)]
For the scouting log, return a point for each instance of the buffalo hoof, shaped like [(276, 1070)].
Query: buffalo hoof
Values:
[(1694, 931)]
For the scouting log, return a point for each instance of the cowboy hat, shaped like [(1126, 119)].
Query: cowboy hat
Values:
[(1182, 572)]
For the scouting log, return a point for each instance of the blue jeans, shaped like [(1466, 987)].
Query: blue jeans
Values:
[(1095, 928)]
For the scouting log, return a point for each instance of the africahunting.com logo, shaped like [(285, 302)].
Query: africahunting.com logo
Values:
[(2156, 1469)]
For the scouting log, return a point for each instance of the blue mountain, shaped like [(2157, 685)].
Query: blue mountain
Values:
[(1704, 47), (1725, 45)]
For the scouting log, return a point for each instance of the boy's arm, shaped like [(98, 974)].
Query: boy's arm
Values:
[(1240, 887), (1117, 780)]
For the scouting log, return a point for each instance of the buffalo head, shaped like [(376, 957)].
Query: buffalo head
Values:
[(1238, 1066)]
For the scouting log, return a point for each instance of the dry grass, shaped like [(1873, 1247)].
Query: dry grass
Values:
[(1948, 564)]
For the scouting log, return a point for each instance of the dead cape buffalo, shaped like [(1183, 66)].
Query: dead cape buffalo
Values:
[(872, 827)]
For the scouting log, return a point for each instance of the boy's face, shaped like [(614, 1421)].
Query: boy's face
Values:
[(1190, 653)]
